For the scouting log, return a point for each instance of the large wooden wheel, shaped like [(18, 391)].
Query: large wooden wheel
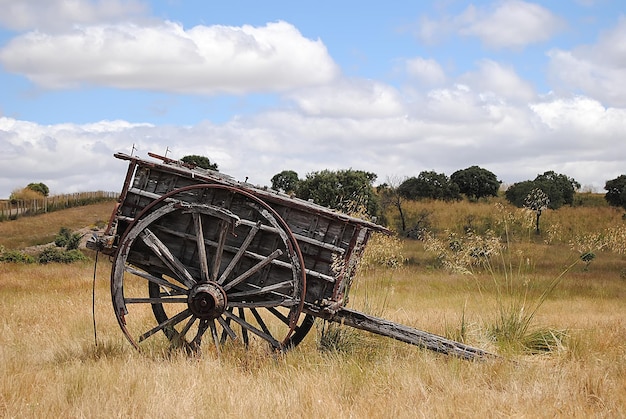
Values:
[(209, 258)]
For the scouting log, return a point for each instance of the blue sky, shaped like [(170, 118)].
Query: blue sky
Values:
[(394, 88)]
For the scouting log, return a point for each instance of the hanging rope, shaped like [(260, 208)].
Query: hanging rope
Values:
[(93, 300)]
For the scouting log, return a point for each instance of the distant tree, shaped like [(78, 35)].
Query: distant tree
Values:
[(42, 188), (559, 188), (537, 201), (616, 191), (516, 194), (429, 184), (24, 194), (476, 182), (286, 181), (341, 189), (200, 161), (389, 196)]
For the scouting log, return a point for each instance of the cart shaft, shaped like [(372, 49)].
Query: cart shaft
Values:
[(407, 334)]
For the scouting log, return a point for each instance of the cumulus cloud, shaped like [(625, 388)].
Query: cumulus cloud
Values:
[(167, 57), (322, 120), (452, 129), (597, 70), (427, 71), (54, 15), (350, 98), (506, 24), (493, 77)]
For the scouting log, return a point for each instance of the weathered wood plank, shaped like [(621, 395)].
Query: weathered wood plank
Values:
[(407, 334)]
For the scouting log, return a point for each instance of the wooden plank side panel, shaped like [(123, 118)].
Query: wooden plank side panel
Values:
[(325, 231)]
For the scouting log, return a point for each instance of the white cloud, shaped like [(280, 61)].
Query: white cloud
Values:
[(350, 98), (427, 71), (54, 15), (499, 79), (166, 57), (511, 24), (597, 70), (451, 129), (506, 24), (583, 119)]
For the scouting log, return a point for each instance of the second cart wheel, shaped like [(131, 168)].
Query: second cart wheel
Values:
[(209, 258)]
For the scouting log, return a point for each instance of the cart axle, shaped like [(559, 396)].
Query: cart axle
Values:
[(207, 300)]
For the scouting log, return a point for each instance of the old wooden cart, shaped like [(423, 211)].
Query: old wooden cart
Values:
[(195, 251)]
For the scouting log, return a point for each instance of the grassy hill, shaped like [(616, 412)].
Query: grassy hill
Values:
[(41, 229)]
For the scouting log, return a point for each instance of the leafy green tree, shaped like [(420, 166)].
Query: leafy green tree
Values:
[(476, 182), (559, 188), (341, 190), (429, 184), (516, 194), (200, 161), (286, 181), (41, 188), (616, 191)]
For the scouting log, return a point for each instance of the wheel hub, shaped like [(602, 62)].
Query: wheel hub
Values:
[(207, 300)]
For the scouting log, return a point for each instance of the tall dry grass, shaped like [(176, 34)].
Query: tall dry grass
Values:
[(558, 226), (51, 366)]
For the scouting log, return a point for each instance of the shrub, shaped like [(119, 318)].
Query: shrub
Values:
[(15, 256), (56, 254), (67, 239)]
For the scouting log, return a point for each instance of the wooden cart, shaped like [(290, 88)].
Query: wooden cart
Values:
[(195, 251)]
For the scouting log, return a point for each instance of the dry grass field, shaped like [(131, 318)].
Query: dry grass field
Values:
[(51, 366)]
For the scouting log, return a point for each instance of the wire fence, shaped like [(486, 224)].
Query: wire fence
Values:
[(14, 208)]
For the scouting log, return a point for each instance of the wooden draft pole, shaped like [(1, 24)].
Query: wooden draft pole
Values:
[(407, 334)]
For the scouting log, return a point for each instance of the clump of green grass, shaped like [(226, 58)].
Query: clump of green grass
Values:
[(517, 301), (336, 338)]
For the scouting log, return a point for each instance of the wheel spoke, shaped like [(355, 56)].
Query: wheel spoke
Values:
[(276, 253), (172, 262), (202, 328), (215, 337), (188, 325), (158, 300), (226, 327), (262, 290), (204, 266), (276, 344), (240, 253), (265, 303), (280, 316), (259, 320), (169, 322), (244, 331), (219, 250), (155, 279)]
